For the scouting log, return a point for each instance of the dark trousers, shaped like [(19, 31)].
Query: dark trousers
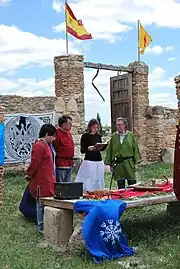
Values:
[(121, 183)]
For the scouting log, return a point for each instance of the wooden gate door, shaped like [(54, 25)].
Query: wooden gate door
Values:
[(121, 99)]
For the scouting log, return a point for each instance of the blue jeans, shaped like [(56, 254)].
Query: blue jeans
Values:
[(40, 216), (64, 175)]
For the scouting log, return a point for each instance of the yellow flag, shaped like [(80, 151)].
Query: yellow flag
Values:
[(144, 39)]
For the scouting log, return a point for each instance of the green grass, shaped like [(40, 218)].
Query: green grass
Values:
[(151, 230)]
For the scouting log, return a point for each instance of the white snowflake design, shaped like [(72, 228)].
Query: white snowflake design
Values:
[(111, 232)]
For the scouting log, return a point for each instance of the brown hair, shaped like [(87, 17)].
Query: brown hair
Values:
[(124, 120), (90, 124)]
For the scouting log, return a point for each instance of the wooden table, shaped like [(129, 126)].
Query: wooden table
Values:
[(140, 202), (67, 206)]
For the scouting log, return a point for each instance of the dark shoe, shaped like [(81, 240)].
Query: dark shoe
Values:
[(121, 184), (131, 182)]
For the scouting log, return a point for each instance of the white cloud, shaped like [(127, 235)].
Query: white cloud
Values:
[(22, 49), (4, 2), (171, 59), (169, 48), (157, 49), (27, 87), (108, 30), (57, 5), (162, 99), (108, 19), (162, 89), (157, 79)]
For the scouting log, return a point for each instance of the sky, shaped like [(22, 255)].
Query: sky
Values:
[(32, 32)]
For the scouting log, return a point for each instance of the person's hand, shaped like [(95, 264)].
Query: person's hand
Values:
[(27, 178), (91, 148), (111, 169)]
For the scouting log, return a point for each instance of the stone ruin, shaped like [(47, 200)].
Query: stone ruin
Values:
[(155, 127)]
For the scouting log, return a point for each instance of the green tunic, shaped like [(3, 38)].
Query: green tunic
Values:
[(126, 155)]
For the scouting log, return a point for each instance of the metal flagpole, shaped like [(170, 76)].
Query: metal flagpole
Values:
[(67, 48), (138, 24)]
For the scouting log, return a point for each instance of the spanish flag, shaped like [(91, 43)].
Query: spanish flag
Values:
[(144, 39), (75, 27)]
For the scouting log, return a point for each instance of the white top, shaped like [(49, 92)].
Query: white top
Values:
[(122, 136)]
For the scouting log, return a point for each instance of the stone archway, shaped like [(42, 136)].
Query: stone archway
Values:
[(69, 89), (153, 126)]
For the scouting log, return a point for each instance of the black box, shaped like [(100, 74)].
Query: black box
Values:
[(68, 191)]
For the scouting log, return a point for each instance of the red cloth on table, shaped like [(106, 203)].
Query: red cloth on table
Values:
[(41, 170), (64, 146), (176, 177), (130, 193)]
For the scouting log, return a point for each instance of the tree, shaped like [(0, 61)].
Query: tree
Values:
[(100, 125)]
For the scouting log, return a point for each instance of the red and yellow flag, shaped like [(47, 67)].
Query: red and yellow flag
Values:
[(75, 27), (144, 39)]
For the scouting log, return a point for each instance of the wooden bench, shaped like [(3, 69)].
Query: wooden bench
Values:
[(58, 215)]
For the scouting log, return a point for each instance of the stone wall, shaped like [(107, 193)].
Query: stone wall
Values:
[(160, 131), (19, 104), (153, 126)]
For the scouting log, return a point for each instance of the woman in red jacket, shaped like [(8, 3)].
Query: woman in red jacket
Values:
[(40, 173)]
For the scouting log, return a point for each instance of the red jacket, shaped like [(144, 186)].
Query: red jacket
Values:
[(41, 170), (64, 146)]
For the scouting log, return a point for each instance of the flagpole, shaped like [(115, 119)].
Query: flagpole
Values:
[(67, 47), (138, 26)]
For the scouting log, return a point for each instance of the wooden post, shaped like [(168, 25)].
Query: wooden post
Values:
[(109, 67), (138, 26), (1, 166), (67, 45)]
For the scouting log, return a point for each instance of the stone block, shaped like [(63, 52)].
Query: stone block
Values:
[(58, 225), (76, 242), (60, 105), (52, 224), (72, 105), (168, 156)]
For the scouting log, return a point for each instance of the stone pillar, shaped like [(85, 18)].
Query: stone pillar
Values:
[(140, 102), (69, 89), (1, 167)]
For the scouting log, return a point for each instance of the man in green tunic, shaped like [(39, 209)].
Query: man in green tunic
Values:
[(123, 154)]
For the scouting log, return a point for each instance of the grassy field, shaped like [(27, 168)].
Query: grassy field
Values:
[(154, 233)]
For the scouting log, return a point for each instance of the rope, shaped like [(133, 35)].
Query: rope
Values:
[(95, 86)]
